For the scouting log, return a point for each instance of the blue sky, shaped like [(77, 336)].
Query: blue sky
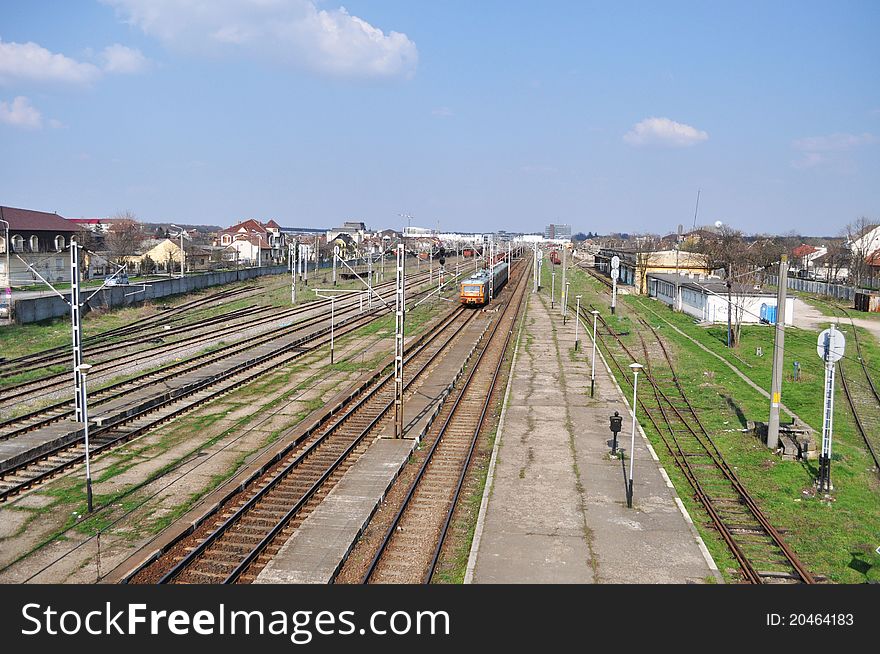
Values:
[(480, 115)]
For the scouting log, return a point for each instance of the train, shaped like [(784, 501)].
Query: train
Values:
[(554, 258), (475, 289)]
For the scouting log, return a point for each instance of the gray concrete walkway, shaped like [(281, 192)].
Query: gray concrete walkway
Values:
[(556, 509)]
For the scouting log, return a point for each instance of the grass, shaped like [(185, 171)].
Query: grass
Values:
[(834, 538)]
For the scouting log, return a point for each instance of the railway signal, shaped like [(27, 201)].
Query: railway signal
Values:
[(616, 425), (830, 348), (615, 273), (399, 315), (635, 367)]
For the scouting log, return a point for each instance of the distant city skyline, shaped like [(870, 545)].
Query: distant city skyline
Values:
[(608, 117)]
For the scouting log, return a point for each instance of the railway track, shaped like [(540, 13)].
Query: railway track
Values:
[(14, 394), (61, 354), (249, 525), (758, 547), (45, 464), (861, 395), (412, 543)]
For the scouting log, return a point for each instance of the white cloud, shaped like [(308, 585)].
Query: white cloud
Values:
[(834, 143), (291, 32), (123, 60), (32, 62), (809, 160), (664, 132), (20, 113)]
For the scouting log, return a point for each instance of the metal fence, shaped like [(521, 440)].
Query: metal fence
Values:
[(819, 288)]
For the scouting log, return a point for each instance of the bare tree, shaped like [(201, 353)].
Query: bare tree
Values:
[(125, 237), (645, 247), (863, 239)]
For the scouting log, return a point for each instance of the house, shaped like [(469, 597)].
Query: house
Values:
[(163, 256), (252, 249), (356, 230), (272, 242), (635, 265), (705, 298), (40, 239)]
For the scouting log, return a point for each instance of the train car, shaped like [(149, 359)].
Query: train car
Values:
[(467, 253), (554, 258), (475, 289)]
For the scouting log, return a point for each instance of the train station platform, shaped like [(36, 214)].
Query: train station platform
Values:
[(316, 551), (554, 509)]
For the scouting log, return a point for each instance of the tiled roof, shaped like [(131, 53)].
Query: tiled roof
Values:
[(39, 221)]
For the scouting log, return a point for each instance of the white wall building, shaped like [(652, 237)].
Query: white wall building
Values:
[(706, 299)]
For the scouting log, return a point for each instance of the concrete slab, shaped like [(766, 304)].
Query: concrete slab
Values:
[(313, 554), (556, 509)]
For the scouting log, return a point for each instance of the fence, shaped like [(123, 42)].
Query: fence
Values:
[(51, 306), (819, 288)]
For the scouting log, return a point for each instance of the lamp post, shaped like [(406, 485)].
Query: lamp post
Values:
[(635, 367), (577, 320), (7, 274), (182, 252), (82, 369), (565, 303), (593, 366), (553, 289)]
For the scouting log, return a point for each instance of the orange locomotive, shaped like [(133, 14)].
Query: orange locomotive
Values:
[(475, 289)]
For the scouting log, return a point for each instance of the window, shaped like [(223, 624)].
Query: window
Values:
[(35, 244), (59, 243), (17, 243)]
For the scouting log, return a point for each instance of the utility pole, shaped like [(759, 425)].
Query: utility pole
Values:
[(399, 315), (564, 287), (778, 356), (553, 289), (76, 326), (335, 256), (292, 258)]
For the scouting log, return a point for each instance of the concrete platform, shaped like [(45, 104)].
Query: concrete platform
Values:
[(315, 552), (555, 505)]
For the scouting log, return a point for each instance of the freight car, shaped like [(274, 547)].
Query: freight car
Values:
[(475, 289), (554, 258), (467, 253)]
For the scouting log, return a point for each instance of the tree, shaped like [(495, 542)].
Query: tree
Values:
[(863, 239), (580, 237), (125, 237), (645, 247)]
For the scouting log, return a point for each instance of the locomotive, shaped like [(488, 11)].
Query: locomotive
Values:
[(475, 289)]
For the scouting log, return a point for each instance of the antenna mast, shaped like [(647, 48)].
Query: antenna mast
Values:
[(697, 208)]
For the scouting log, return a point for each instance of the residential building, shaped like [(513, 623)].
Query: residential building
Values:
[(553, 232), (635, 265), (38, 241), (268, 238)]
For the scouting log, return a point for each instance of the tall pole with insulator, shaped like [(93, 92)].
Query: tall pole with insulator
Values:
[(399, 318), (778, 357)]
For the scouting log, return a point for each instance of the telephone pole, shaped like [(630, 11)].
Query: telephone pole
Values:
[(778, 355)]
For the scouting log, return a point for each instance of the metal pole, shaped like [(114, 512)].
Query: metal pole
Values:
[(729, 311), (82, 369), (76, 327), (292, 257), (778, 356), (564, 283), (632, 446), (565, 301), (370, 281), (577, 321), (335, 255), (593, 366), (552, 289), (332, 317), (399, 314)]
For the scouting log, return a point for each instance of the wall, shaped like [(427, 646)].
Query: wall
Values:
[(44, 308)]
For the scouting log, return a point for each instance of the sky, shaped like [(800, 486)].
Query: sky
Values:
[(470, 116)]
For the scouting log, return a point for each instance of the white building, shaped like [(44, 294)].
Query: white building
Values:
[(706, 299)]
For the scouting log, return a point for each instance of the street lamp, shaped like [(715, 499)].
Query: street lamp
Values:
[(577, 320), (565, 303), (182, 251), (6, 250), (82, 369), (635, 367), (553, 289), (593, 366)]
